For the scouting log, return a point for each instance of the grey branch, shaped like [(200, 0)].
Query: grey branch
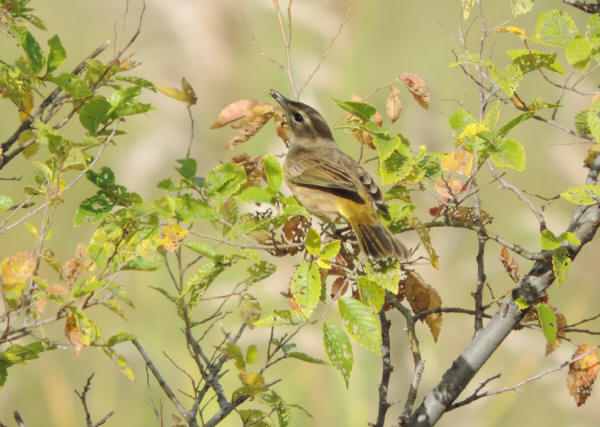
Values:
[(585, 222)]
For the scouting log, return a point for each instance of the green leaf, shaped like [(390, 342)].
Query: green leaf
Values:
[(5, 203), (531, 60), (521, 7), (120, 337), (57, 54), (507, 78), (306, 357), (34, 51), (85, 287), (224, 180), (371, 293), (72, 84), (313, 242), (256, 195), (261, 270), (359, 109), (202, 249), (550, 242), (509, 153), (583, 194), (579, 52), (273, 171), (386, 146), (460, 119), (338, 349), (514, 122), (150, 262), (93, 114), (555, 28), (561, 263), (235, 352), (331, 249), (593, 119), (199, 282), (581, 123), (251, 354), (306, 287), (361, 323), (281, 318), (548, 322), (188, 167), (521, 303), (189, 209)]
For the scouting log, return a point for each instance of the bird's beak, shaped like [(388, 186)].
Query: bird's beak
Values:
[(282, 100)]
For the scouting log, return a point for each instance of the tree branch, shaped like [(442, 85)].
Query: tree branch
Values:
[(585, 222)]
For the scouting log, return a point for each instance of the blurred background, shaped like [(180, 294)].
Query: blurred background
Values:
[(210, 43)]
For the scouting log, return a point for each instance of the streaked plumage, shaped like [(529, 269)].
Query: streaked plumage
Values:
[(329, 183)]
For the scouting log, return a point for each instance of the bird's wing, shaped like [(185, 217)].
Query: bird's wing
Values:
[(337, 173)]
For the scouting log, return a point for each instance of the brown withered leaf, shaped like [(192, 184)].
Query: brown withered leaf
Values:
[(422, 297), (73, 334), (583, 373), (365, 138), (449, 188), (378, 118), (417, 88), (281, 126), (233, 112), (254, 168), (294, 231), (468, 215), (338, 288), (561, 322), (510, 265), (393, 104), (73, 267), (254, 121)]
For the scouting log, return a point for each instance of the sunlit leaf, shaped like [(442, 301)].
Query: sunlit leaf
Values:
[(338, 349), (509, 153), (361, 323), (583, 195), (548, 322)]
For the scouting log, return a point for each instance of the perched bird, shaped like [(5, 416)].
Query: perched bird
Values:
[(330, 184)]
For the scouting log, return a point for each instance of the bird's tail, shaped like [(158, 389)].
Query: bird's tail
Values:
[(378, 242)]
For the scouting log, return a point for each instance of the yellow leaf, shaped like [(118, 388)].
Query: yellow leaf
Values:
[(426, 240), (510, 29), (188, 90), (177, 94), (17, 269), (26, 107), (252, 379), (471, 130), (172, 236), (459, 161), (249, 309)]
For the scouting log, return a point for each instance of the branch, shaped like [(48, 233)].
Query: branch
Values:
[(591, 7), (585, 222), (49, 100), (386, 369), (164, 386), (83, 398)]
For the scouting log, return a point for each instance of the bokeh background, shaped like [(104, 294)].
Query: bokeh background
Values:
[(210, 44)]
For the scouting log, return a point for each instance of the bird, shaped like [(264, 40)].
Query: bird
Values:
[(330, 184)]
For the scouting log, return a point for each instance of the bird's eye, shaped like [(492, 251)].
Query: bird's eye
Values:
[(298, 117)]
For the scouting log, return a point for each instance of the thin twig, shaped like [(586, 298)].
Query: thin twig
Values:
[(327, 52)]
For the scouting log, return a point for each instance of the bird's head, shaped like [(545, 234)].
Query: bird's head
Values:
[(306, 124)]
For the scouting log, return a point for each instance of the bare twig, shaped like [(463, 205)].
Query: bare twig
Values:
[(287, 41), (191, 420), (327, 52), (83, 398), (386, 369)]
